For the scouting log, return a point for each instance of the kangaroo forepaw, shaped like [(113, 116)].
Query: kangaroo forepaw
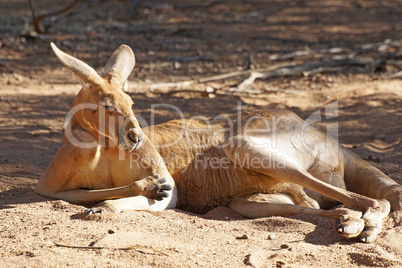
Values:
[(156, 187), (94, 210), (367, 227), (370, 232)]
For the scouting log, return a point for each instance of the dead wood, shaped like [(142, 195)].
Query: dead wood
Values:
[(339, 57), (135, 247), (396, 63), (393, 76), (307, 52), (305, 69), (155, 88), (37, 20), (35, 36), (337, 50)]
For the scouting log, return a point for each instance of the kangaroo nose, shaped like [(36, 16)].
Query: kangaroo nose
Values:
[(135, 135)]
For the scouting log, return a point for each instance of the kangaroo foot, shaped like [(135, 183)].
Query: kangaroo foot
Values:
[(351, 224), (370, 232), (366, 228)]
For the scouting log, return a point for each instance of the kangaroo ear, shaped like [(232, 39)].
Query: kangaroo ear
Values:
[(85, 74), (120, 65)]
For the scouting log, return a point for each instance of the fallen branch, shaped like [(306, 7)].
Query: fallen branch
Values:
[(171, 85), (395, 75), (223, 76), (304, 69), (339, 58), (36, 20), (154, 88), (323, 69), (396, 63), (34, 36), (337, 50), (135, 247), (307, 52)]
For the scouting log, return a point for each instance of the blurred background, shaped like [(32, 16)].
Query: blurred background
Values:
[(172, 39)]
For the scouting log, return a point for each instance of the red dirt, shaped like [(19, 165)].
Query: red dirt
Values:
[(37, 92)]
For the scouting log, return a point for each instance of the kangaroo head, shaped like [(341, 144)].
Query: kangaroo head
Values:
[(105, 111)]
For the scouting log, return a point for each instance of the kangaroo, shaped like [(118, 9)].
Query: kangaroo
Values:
[(260, 164)]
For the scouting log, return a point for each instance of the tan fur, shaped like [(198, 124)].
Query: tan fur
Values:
[(260, 164)]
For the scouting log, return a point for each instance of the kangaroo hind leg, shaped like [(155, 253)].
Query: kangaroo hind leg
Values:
[(290, 171)]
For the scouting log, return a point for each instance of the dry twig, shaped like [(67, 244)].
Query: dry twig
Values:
[(135, 247), (339, 58), (38, 19), (305, 69)]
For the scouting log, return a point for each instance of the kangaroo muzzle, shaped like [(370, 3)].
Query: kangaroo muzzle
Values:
[(130, 139)]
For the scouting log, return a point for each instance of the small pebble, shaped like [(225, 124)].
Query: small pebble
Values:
[(110, 231), (242, 237), (271, 237), (280, 264), (285, 246)]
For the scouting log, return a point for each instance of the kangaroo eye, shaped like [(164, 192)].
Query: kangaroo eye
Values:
[(108, 106)]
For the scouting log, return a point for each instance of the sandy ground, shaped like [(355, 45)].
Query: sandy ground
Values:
[(36, 93)]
